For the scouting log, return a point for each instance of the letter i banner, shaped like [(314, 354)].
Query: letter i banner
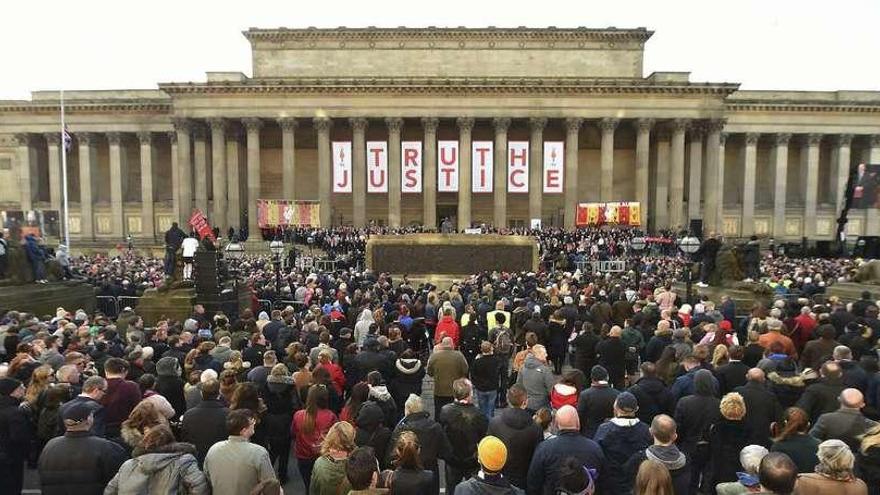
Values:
[(518, 166), (447, 170), (377, 166), (482, 166), (341, 166)]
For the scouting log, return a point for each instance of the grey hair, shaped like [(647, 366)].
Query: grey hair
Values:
[(842, 352), (836, 460), (413, 404), (750, 457)]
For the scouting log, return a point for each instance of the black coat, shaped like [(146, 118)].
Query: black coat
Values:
[(731, 376), (726, 440), (585, 351), (762, 408), (408, 481), (465, 425), (205, 425), (868, 469), (407, 379), (16, 431), (432, 440), (171, 387), (595, 405), (79, 463), (612, 355), (485, 371), (521, 435), (694, 415), (655, 347), (821, 397), (653, 397)]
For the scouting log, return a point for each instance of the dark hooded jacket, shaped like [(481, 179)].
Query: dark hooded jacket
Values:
[(521, 436), (696, 413), (406, 379), (620, 439), (465, 425), (371, 429), (169, 384), (653, 397), (432, 440), (80, 463), (672, 458), (821, 397), (726, 439)]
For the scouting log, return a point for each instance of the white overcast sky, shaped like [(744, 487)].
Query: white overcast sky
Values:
[(117, 44)]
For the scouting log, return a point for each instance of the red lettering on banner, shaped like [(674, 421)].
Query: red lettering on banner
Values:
[(482, 152), (443, 158), (410, 158), (513, 176), (514, 156), (344, 182), (412, 178), (373, 181), (483, 177), (377, 152), (447, 173), (552, 179)]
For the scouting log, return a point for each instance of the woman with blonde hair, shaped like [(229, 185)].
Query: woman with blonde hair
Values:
[(653, 479), (41, 378), (834, 473), (328, 474), (720, 356), (727, 438), (868, 460), (228, 383)]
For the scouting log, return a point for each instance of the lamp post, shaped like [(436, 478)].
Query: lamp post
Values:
[(638, 245), (234, 251), (689, 245), (277, 249)]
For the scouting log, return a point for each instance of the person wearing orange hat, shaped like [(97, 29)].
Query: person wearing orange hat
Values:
[(492, 455)]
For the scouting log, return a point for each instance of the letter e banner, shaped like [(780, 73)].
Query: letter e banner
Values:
[(554, 165)]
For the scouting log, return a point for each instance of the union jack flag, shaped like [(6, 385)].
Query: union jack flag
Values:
[(65, 137)]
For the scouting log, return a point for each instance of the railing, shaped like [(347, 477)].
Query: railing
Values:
[(326, 266), (107, 305), (612, 266), (265, 305), (127, 301)]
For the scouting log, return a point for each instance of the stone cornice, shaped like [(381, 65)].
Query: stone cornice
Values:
[(803, 106), (86, 107)]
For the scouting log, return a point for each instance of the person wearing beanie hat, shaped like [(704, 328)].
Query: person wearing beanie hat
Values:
[(596, 403), (492, 456), (620, 438), (15, 434), (169, 384)]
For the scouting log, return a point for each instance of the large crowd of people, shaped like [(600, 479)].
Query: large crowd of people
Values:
[(562, 380)]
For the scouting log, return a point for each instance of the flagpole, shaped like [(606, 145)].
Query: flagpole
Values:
[(64, 144)]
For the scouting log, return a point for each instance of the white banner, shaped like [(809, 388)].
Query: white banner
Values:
[(554, 165), (482, 166), (342, 166), (518, 166), (377, 166), (447, 169), (411, 167)]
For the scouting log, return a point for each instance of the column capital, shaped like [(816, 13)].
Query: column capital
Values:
[(430, 123), (288, 123), (322, 123), (465, 123), (752, 138), (874, 139), (680, 125), (199, 131), (501, 124), (537, 123), (644, 124), (608, 124), (844, 139), (573, 124), (53, 138), (182, 124), (86, 138), (394, 124), (145, 137), (716, 125), (722, 138), (696, 130), (252, 124), (172, 136), (24, 138), (114, 138), (782, 139), (813, 139), (217, 124), (358, 123)]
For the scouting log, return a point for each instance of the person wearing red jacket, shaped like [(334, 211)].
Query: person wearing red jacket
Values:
[(447, 328), (308, 428), (325, 360)]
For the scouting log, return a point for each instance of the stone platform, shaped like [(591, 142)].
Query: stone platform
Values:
[(744, 299), (850, 291), (44, 299)]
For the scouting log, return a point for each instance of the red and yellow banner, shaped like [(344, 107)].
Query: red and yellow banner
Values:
[(617, 213), (284, 213)]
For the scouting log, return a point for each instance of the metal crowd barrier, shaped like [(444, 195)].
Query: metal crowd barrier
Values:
[(107, 305), (326, 266), (127, 301), (299, 306), (613, 266), (265, 305)]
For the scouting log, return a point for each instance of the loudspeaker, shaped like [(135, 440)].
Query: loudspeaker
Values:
[(868, 247), (824, 249), (697, 227)]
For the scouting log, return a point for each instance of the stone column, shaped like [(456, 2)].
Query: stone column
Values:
[(780, 161), (570, 177), (87, 159), (200, 159), (812, 147), (218, 174), (233, 179), (184, 172), (429, 165), (118, 170), (148, 228), (841, 160), (288, 156), (500, 191), (750, 165), (465, 128), (27, 173), (661, 187), (676, 176), (719, 181), (536, 166), (696, 171), (643, 155), (606, 160), (53, 149), (252, 126), (394, 125), (359, 171), (712, 196), (872, 219), (325, 167)]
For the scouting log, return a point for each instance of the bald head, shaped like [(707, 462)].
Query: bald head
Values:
[(852, 398), (663, 429), (755, 375), (615, 331), (446, 343), (567, 418)]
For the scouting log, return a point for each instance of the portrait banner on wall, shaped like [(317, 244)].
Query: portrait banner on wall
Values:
[(411, 167), (341, 166), (377, 166), (273, 213), (517, 166), (482, 166), (447, 169), (612, 213), (554, 165)]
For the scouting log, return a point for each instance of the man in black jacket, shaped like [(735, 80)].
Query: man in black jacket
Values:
[(821, 397), (612, 356), (652, 394), (695, 414), (515, 427), (15, 435), (732, 374), (465, 425), (79, 462), (205, 424), (762, 407)]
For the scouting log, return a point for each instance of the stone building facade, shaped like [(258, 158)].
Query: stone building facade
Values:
[(771, 163)]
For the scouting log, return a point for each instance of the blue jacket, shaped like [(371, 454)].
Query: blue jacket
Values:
[(620, 439), (544, 469), (684, 385)]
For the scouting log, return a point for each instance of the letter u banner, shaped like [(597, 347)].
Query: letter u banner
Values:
[(342, 166), (377, 166)]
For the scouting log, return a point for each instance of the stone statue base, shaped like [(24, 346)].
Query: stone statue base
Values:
[(744, 294), (157, 305), (44, 299), (850, 291)]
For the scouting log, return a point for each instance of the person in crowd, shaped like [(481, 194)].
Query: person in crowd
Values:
[(653, 478), (854, 376), (651, 393), (409, 373), (816, 351), (777, 474), (834, 473), (205, 424), (371, 430), (145, 416), (537, 378), (596, 403), (556, 340), (484, 372), (361, 472), (445, 365), (514, 426), (357, 397), (727, 438), (328, 474), (762, 407), (568, 389), (169, 384), (847, 424), (791, 438), (821, 397), (235, 466), (258, 374), (447, 327), (492, 456), (408, 475), (310, 425), (281, 399), (696, 414), (664, 451), (612, 356), (733, 374), (464, 425), (159, 465), (93, 390), (434, 444), (620, 438), (774, 334), (543, 474), (584, 343), (684, 384), (121, 396), (868, 460), (79, 461), (503, 345), (750, 458)]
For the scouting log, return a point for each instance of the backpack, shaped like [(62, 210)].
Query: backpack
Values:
[(503, 343)]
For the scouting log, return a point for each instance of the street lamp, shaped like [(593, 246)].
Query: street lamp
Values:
[(689, 245), (277, 249), (234, 251), (638, 245)]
